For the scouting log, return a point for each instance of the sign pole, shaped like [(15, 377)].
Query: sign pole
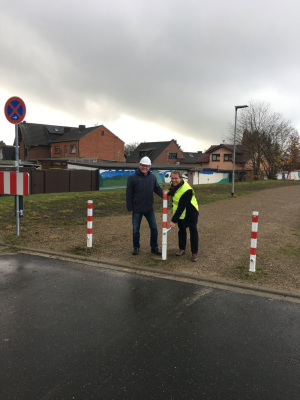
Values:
[(17, 170), (15, 111)]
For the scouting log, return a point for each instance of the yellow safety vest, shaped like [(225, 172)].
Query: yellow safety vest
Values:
[(178, 195)]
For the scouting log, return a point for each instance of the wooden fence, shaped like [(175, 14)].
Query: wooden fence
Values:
[(59, 181)]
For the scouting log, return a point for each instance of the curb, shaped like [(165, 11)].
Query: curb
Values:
[(199, 278)]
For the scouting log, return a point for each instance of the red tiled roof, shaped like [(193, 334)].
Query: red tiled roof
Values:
[(211, 148), (242, 155)]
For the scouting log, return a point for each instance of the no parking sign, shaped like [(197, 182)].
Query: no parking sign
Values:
[(15, 110), (14, 182)]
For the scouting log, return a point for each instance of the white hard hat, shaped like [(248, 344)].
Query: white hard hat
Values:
[(145, 161)]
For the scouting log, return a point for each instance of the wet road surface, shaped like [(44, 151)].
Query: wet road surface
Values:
[(75, 331)]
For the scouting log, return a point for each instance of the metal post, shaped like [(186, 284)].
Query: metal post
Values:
[(164, 226), (17, 170), (252, 267), (89, 223), (232, 187)]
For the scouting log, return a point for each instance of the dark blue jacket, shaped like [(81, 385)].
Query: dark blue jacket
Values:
[(139, 191)]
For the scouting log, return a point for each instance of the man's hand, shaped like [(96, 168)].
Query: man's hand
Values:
[(172, 225)]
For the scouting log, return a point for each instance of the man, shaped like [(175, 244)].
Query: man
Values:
[(185, 210), (139, 201)]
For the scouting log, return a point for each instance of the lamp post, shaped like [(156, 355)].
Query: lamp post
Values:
[(232, 188)]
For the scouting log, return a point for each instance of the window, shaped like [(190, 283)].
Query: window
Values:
[(73, 148), (227, 157), (172, 156), (102, 133), (57, 149), (216, 157), (143, 154), (26, 153)]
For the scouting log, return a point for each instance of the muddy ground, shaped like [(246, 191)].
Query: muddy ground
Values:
[(224, 231)]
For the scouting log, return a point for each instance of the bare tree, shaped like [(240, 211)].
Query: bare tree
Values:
[(129, 147), (265, 134)]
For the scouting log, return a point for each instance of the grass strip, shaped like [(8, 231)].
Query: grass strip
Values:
[(67, 209)]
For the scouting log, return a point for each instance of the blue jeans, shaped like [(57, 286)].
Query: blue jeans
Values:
[(136, 223)]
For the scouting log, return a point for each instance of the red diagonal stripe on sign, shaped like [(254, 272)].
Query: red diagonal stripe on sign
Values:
[(15, 109)]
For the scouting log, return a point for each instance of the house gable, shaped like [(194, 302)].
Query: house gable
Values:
[(94, 142), (157, 152), (221, 157)]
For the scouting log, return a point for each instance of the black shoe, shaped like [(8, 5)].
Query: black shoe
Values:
[(135, 251), (156, 251)]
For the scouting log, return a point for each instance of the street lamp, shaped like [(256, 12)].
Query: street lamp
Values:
[(232, 188)]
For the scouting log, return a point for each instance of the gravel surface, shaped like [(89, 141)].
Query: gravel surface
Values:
[(224, 238)]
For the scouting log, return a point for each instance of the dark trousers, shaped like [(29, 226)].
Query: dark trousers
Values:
[(182, 235), (136, 223)]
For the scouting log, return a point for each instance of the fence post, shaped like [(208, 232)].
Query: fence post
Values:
[(164, 226), (89, 223), (253, 241)]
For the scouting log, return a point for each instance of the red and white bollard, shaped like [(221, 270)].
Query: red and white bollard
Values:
[(89, 223), (253, 241), (164, 226)]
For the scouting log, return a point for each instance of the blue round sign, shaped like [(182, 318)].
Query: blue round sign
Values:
[(15, 110)]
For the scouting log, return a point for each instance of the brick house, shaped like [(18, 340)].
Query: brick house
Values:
[(95, 142), (47, 143), (220, 157), (162, 153)]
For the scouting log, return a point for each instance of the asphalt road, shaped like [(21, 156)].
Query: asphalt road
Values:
[(76, 331)]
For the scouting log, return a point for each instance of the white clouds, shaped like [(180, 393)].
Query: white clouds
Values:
[(180, 66)]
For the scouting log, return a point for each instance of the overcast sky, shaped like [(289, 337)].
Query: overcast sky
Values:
[(149, 70)]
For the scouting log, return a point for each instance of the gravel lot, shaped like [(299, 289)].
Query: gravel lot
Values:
[(224, 230)]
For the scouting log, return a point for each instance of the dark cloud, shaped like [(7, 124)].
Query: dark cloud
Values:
[(182, 65)]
